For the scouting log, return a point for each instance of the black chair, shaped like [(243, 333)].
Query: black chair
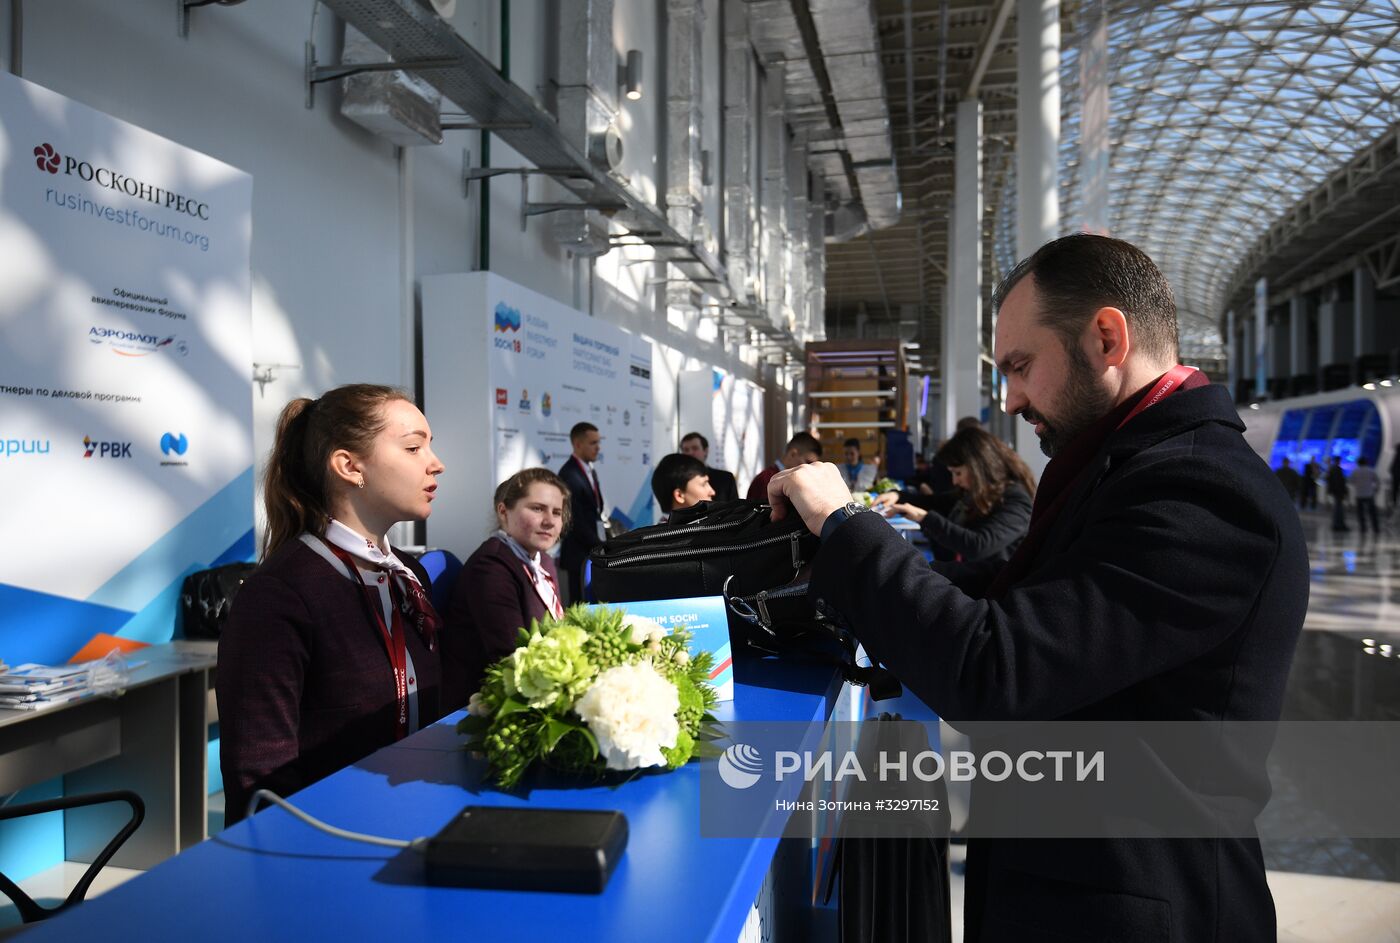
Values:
[(29, 910)]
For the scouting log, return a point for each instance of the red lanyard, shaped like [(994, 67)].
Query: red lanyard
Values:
[(392, 634), (555, 607), (1166, 386)]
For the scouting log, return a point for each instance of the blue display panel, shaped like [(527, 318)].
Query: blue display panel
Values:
[(1345, 430)]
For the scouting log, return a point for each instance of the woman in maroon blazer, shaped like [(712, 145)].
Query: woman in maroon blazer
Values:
[(330, 649), (509, 580)]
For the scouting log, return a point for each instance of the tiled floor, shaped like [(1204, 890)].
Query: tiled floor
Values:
[(1347, 667)]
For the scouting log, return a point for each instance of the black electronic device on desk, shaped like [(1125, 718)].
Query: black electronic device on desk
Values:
[(569, 850)]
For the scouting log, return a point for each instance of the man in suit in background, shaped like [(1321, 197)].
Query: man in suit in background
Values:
[(1164, 578), (697, 446), (585, 504)]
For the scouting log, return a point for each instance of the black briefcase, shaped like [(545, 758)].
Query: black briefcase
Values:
[(736, 550), (701, 551)]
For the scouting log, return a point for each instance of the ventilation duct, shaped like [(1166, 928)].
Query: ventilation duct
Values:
[(397, 106), (775, 145), (816, 267), (738, 149), (848, 34), (587, 109)]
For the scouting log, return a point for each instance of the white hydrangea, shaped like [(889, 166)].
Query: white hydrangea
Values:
[(631, 710), (644, 630)]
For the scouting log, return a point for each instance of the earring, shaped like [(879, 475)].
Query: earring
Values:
[(361, 482)]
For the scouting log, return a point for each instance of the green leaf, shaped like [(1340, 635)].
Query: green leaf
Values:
[(705, 750), (555, 730), (511, 706), (592, 740)]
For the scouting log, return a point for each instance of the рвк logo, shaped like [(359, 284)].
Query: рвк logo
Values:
[(47, 158), (170, 442), (740, 766), (105, 449)]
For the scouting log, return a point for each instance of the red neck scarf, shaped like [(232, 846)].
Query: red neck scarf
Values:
[(1063, 473)]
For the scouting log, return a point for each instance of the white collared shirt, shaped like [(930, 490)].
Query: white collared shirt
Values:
[(538, 574), (372, 572)]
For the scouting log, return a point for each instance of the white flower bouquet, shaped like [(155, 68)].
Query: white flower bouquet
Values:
[(594, 691)]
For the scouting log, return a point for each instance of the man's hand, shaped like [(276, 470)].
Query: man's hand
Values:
[(887, 500), (813, 491)]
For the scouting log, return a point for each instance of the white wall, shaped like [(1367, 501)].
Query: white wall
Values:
[(334, 244)]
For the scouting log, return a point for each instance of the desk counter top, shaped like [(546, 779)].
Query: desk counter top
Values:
[(272, 877)]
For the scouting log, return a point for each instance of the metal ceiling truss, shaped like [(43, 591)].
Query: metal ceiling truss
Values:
[(1223, 117)]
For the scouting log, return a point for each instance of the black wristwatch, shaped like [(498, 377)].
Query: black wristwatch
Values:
[(839, 516)]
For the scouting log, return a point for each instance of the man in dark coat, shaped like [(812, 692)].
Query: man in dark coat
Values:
[(697, 446), (586, 507), (1164, 578)]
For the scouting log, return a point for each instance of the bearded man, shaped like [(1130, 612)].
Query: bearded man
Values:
[(1164, 578)]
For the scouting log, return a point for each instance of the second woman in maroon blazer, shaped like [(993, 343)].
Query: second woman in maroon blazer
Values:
[(509, 580)]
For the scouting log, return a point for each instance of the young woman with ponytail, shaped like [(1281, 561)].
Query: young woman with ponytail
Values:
[(330, 650)]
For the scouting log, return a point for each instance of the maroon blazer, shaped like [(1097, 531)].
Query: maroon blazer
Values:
[(304, 684), (492, 600), (758, 488)]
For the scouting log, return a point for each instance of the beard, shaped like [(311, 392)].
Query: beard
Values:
[(1084, 401)]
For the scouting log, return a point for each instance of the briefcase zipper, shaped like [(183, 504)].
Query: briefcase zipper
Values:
[(711, 551), (694, 529)]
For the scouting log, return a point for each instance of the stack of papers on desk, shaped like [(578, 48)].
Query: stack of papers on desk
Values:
[(34, 687)]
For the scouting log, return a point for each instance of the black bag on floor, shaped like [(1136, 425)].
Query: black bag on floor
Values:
[(891, 868), (734, 549), (206, 596)]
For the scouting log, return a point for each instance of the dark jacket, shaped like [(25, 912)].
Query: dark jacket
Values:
[(492, 599), (305, 686), (1336, 482), (583, 516), (726, 488), (991, 538), (1172, 587)]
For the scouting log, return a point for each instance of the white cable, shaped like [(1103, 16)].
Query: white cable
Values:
[(416, 844)]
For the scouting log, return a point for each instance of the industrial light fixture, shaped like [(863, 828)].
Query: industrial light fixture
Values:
[(632, 75), (1253, 405), (1368, 386), (1387, 383)]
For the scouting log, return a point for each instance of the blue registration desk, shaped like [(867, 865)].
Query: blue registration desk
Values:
[(274, 878)]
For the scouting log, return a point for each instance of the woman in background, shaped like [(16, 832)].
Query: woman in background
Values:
[(330, 648), (993, 511), (509, 580)]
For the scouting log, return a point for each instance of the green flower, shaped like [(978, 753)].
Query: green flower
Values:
[(551, 669)]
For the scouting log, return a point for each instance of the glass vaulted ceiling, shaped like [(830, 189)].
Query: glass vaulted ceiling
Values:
[(1221, 117)]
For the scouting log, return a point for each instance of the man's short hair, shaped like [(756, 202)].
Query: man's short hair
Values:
[(806, 444), (704, 442), (1074, 276), (851, 444), (580, 430), (672, 472)]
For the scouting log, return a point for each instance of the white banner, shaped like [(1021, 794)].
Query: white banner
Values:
[(125, 373), (509, 370), (552, 367)]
